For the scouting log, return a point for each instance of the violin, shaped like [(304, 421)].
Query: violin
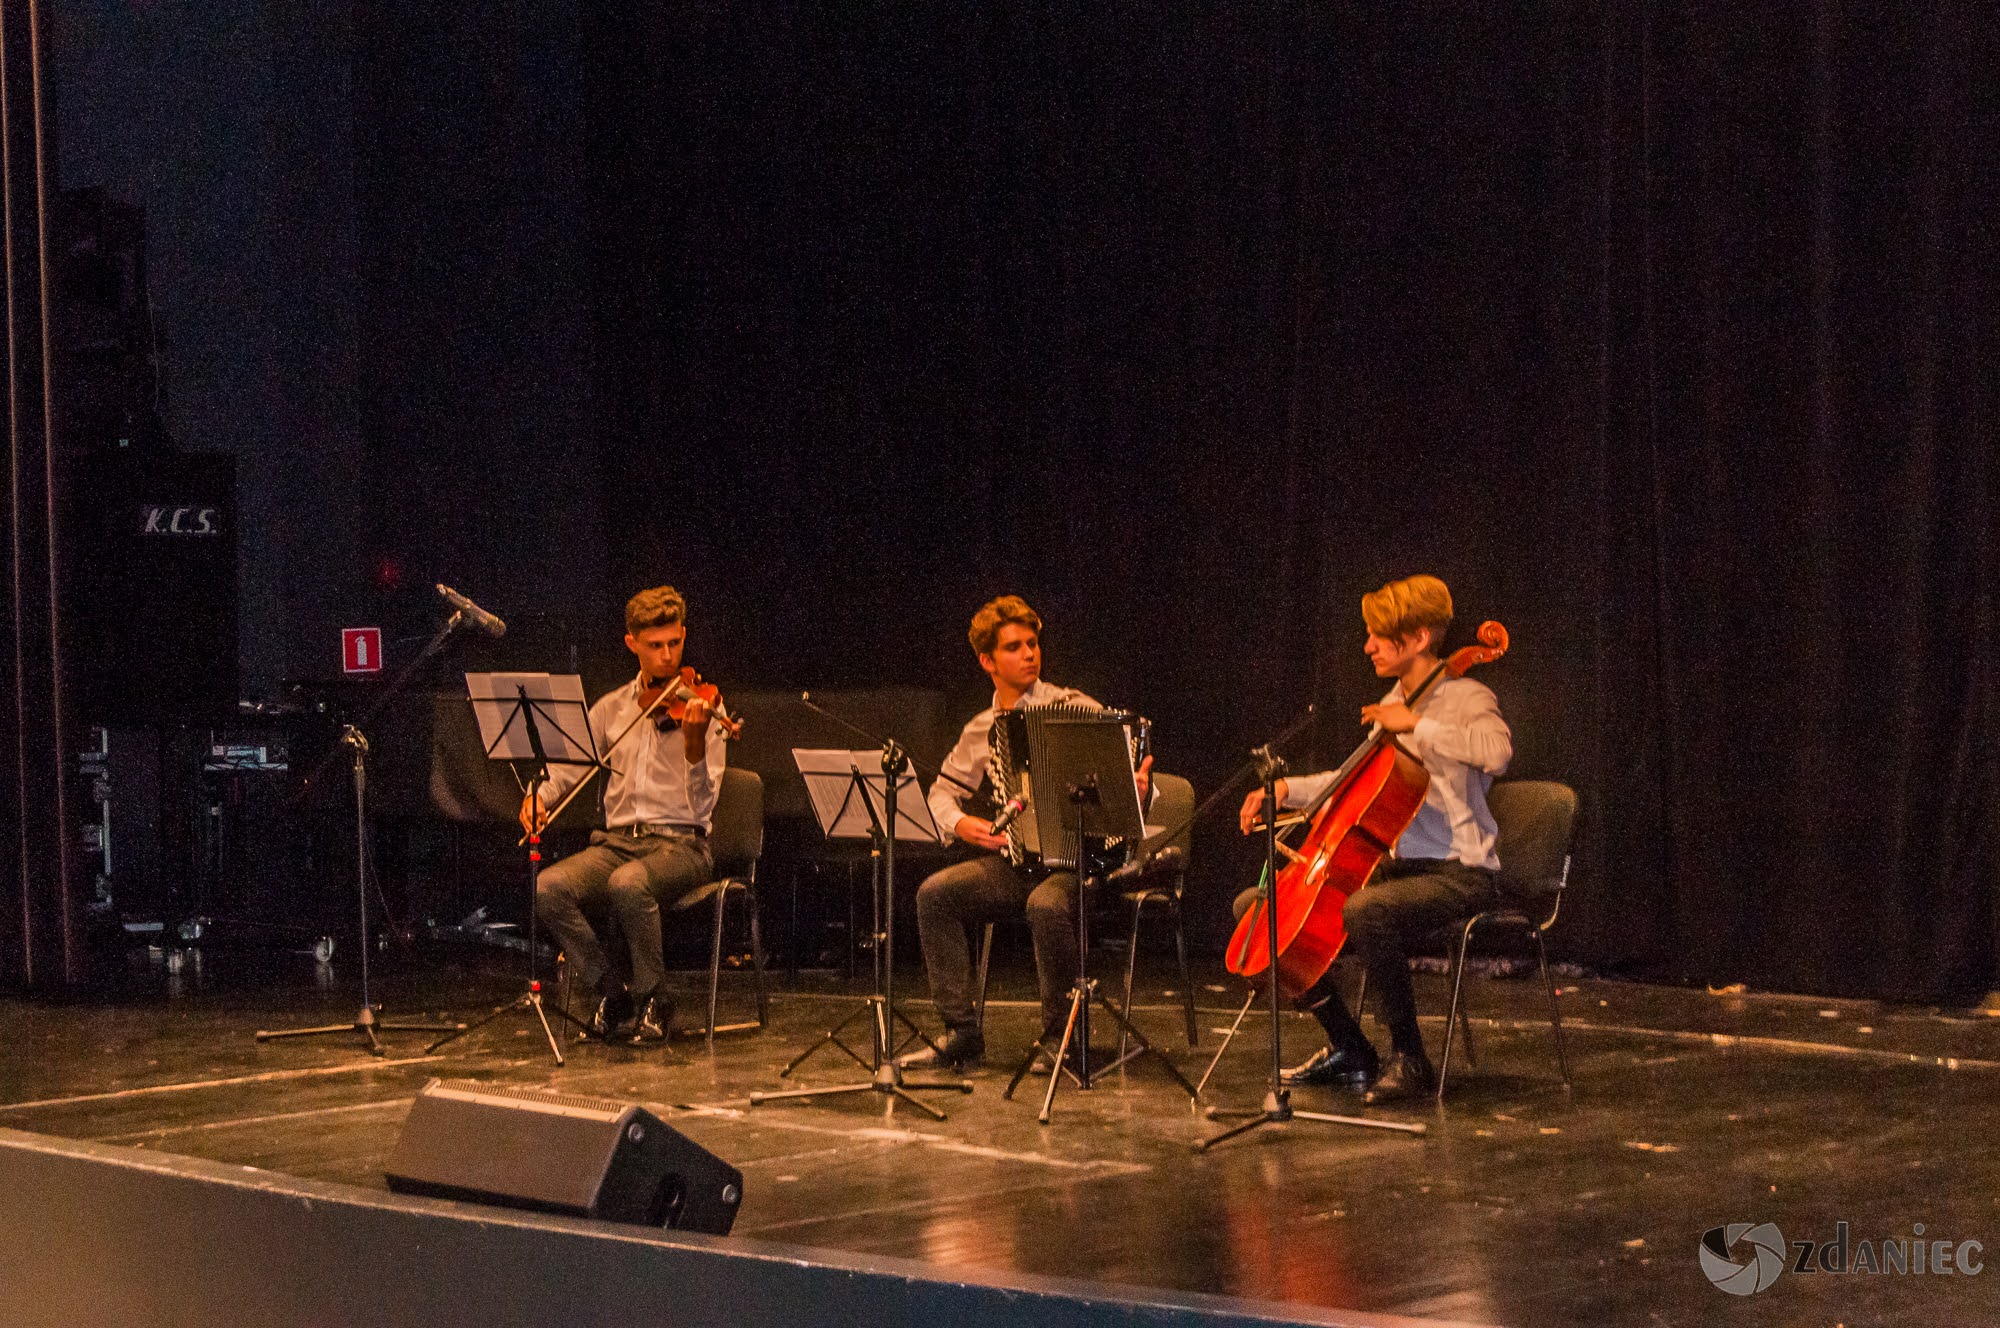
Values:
[(667, 699), (1371, 800)]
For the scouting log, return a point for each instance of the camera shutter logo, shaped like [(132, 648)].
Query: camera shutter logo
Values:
[(1766, 1249)]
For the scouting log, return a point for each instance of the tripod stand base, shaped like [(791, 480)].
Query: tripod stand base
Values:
[(1277, 1110), (887, 1077), (832, 1038), (888, 1082), (1078, 1025), (531, 999), (365, 1023)]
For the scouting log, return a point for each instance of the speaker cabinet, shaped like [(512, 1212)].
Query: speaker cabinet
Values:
[(151, 588), (560, 1153)]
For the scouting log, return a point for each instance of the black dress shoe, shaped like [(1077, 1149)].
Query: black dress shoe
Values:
[(656, 1020), (614, 1007), (963, 1050), (1406, 1077), (1351, 1066)]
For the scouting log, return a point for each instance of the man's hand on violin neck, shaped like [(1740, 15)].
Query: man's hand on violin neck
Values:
[(1393, 716)]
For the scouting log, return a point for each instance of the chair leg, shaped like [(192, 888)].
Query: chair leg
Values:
[(1361, 997), (1451, 1016), (1131, 965), (565, 980), (1187, 983), (979, 986), (715, 961), (757, 952), (1555, 1008), (1451, 970)]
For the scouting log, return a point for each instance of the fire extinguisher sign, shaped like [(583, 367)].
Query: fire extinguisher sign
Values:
[(361, 649)]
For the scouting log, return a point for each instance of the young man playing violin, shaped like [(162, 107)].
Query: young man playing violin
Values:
[(1006, 635), (1443, 867), (659, 799)]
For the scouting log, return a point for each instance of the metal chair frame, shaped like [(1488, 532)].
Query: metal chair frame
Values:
[(1505, 917)]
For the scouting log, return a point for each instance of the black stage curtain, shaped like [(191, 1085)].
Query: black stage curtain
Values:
[(1664, 336), (40, 921)]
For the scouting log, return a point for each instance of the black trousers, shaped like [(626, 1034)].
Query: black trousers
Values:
[(987, 889), (1406, 901)]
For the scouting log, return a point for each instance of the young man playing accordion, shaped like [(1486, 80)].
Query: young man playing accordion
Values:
[(1006, 636)]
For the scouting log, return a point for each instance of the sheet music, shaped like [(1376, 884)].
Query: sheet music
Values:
[(829, 775), (562, 718)]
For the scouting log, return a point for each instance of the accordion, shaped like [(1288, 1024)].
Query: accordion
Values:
[(1015, 734)]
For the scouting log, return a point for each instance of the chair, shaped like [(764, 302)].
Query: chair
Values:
[(735, 841), (1537, 824), (1161, 883)]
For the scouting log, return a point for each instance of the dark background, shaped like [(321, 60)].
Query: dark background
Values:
[(1665, 337)]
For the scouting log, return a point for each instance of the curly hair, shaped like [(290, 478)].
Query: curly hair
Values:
[(662, 606), (986, 624)]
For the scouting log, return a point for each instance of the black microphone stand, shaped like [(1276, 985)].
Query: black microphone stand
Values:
[(353, 737), (1277, 1109)]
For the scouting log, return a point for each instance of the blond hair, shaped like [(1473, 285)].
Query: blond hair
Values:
[(1402, 608), (661, 606), (986, 624)]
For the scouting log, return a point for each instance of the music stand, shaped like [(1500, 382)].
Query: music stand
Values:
[(1090, 760), (531, 721), (851, 804)]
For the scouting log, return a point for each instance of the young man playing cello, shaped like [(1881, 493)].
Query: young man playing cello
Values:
[(1006, 635), (1444, 866), (659, 800)]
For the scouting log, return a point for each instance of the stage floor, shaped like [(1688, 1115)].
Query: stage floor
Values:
[(1522, 1205)]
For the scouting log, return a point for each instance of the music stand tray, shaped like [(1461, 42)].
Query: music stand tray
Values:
[(531, 721), (854, 797)]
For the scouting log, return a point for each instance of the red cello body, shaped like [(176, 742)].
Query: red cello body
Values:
[(1372, 800)]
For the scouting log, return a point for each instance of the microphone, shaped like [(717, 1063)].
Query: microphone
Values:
[(1015, 806), (1167, 859), (475, 615)]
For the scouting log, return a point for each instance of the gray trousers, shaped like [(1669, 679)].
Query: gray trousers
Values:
[(988, 889), (627, 878)]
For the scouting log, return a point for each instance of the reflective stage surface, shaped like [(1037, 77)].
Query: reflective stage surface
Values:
[(1522, 1204)]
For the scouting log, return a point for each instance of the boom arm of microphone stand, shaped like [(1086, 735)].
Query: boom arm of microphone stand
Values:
[(922, 767), (395, 688), (1249, 769)]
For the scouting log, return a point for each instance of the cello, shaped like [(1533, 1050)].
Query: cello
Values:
[(1364, 810)]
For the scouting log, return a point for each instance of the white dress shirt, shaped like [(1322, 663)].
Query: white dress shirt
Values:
[(1462, 740), (651, 782), (967, 760)]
